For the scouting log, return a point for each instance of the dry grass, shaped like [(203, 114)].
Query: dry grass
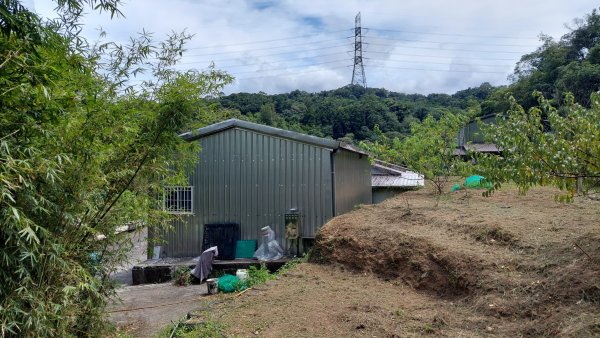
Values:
[(505, 266)]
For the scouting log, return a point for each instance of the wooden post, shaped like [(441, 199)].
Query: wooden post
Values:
[(579, 185)]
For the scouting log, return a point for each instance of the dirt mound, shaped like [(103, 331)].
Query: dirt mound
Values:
[(392, 254), (525, 262)]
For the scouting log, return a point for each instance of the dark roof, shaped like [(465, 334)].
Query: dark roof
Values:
[(272, 131), (484, 117), (476, 147), (482, 147)]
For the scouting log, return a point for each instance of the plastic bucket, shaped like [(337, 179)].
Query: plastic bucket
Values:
[(242, 274), (212, 284)]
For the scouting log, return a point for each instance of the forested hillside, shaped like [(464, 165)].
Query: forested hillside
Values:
[(571, 64), (351, 112)]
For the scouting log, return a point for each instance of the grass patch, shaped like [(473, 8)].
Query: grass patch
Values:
[(400, 314), (208, 329), (261, 275), (427, 328)]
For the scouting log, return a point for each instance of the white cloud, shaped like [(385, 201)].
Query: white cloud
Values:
[(413, 46)]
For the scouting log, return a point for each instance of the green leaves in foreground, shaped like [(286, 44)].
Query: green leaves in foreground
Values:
[(83, 147), (547, 146)]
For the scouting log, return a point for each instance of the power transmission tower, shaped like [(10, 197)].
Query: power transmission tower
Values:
[(358, 73)]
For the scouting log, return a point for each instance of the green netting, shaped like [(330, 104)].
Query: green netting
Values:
[(473, 182), (230, 283), (476, 181)]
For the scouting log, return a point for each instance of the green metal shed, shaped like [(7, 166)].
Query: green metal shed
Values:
[(251, 175)]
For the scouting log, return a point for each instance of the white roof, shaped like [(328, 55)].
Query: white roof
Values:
[(393, 176)]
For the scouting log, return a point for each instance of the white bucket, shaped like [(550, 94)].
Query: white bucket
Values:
[(212, 284), (241, 274)]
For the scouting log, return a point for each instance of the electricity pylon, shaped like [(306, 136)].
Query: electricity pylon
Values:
[(358, 73)]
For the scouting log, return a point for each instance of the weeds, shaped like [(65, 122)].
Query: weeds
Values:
[(427, 328), (262, 275), (181, 275), (208, 329), (292, 264), (258, 275), (400, 313)]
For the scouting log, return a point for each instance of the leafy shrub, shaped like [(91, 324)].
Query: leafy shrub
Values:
[(181, 276), (262, 275), (258, 275), (81, 152), (293, 263)]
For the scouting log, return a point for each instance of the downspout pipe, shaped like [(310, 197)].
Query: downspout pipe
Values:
[(333, 200)]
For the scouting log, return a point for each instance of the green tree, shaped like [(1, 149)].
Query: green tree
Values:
[(429, 149), (266, 114), (557, 67), (82, 148), (546, 146), (350, 109)]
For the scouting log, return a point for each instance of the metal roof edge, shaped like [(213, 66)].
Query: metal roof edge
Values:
[(378, 162), (387, 170), (268, 130), (353, 148)]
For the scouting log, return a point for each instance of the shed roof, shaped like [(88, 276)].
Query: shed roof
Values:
[(268, 130), (389, 175)]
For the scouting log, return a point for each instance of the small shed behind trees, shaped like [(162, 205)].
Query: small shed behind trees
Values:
[(252, 175), (471, 138), (389, 180)]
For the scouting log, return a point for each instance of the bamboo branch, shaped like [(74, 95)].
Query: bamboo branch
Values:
[(9, 135)]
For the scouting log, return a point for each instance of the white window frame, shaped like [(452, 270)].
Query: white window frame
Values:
[(180, 210)]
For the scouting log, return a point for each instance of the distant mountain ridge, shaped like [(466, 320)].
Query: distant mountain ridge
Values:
[(350, 112)]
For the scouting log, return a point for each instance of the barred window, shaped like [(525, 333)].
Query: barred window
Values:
[(179, 200)]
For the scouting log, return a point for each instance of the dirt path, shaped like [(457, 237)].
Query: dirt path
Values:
[(143, 310)]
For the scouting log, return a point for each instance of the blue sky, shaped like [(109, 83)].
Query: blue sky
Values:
[(410, 46)]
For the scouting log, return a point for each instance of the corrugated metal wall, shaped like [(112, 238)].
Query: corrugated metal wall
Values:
[(472, 131), (253, 179), (352, 180)]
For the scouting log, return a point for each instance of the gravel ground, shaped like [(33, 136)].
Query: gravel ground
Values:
[(143, 310), (136, 255)]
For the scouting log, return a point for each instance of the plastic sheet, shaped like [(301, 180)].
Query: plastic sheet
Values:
[(269, 250)]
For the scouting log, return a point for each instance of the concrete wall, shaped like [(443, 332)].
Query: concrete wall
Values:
[(381, 194)]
